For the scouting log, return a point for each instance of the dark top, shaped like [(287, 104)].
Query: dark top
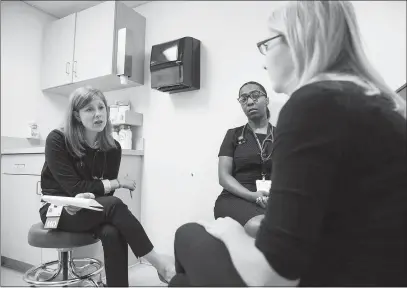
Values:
[(66, 175), (337, 213), (247, 167)]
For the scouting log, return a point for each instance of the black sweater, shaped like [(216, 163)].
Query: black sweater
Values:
[(66, 175), (337, 214)]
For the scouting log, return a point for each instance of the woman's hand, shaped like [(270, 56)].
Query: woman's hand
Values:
[(223, 228), (258, 194), (262, 201), (72, 210), (127, 183)]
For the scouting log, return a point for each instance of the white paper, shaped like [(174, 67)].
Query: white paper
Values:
[(90, 204)]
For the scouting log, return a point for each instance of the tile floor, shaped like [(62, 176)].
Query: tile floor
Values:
[(139, 275)]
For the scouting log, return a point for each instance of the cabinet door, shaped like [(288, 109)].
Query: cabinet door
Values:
[(19, 210), (57, 55), (94, 42)]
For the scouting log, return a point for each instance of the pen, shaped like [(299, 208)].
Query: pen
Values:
[(131, 195)]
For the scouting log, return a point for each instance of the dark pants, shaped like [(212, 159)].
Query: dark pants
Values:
[(116, 227), (239, 209), (202, 260)]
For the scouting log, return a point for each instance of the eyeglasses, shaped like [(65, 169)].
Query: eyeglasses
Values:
[(263, 47), (254, 95)]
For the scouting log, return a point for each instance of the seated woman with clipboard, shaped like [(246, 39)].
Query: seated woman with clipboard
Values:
[(83, 161)]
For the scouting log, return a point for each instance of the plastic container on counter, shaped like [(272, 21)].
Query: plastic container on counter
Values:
[(114, 113), (123, 107), (125, 137), (115, 134)]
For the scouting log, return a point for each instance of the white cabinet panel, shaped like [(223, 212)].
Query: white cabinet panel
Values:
[(19, 210), (57, 56), (94, 42), (22, 164)]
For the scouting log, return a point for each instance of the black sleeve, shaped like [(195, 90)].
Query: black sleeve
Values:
[(114, 164), (60, 165), (309, 133), (228, 145)]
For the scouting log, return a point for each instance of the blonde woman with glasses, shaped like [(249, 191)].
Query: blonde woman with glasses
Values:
[(337, 211)]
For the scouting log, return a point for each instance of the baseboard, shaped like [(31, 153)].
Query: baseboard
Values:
[(15, 264)]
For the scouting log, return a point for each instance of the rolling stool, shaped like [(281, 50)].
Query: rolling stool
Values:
[(64, 242)]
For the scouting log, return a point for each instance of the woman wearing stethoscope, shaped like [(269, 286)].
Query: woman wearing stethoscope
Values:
[(245, 161)]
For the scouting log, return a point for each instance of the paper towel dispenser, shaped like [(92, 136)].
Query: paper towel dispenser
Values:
[(175, 65)]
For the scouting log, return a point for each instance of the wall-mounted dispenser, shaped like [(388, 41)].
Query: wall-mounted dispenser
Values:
[(124, 54), (175, 65)]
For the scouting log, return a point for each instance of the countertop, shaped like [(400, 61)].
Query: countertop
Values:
[(40, 150)]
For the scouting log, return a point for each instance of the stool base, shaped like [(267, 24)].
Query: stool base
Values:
[(71, 274)]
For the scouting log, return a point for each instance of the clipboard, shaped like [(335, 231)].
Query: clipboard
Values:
[(90, 204)]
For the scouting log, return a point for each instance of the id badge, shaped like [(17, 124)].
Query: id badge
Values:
[(51, 223), (263, 185), (54, 210), (53, 215)]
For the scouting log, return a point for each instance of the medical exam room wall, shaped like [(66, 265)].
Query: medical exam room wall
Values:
[(22, 100), (184, 131)]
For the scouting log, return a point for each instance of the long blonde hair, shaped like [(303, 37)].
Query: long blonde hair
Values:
[(326, 44), (74, 130)]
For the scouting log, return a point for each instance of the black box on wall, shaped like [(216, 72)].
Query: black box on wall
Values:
[(175, 65)]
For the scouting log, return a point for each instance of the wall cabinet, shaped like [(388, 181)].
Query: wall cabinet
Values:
[(57, 60), (81, 49)]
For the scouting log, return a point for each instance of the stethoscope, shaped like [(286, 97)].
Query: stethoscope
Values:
[(82, 164), (242, 140), (262, 146)]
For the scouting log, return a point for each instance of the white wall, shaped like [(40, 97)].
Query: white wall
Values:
[(22, 100), (184, 131), (383, 28)]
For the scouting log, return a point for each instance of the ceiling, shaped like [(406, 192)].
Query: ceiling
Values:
[(60, 9)]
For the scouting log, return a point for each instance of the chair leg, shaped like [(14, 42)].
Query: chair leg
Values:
[(63, 257)]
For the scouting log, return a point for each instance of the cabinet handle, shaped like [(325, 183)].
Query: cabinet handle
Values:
[(74, 69), (36, 190), (20, 174), (67, 67), (19, 166)]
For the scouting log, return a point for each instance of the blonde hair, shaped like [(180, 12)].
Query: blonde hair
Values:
[(326, 44), (74, 130)]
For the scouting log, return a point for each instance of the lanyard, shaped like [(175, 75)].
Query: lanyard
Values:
[(262, 147), (103, 168)]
